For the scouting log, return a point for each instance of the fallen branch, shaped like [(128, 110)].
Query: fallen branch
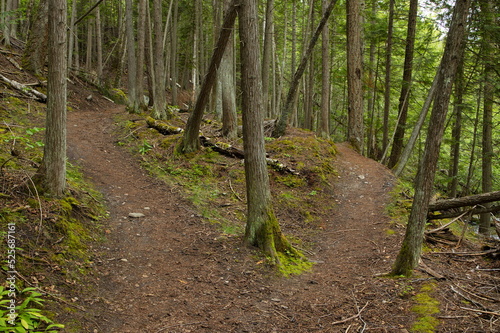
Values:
[(35, 94), (431, 272), (352, 317), (449, 223), (482, 311)]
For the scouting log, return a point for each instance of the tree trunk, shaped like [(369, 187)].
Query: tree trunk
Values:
[(98, 37), (159, 83), (411, 248), (266, 55), (36, 51), (324, 123), (355, 132), (133, 105), (281, 122), (173, 54), (416, 129), (141, 50), (262, 228), (387, 81), (228, 86), (52, 172), (404, 97), (456, 132), (71, 38), (488, 93), (190, 142)]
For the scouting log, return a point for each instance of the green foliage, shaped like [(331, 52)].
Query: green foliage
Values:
[(145, 147), (26, 317)]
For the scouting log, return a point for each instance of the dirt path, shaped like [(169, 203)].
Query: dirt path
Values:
[(170, 272)]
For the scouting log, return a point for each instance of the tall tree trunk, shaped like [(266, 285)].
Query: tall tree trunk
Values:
[(71, 38), (98, 37), (309, 79), (159, 83), (355, 131), (262, 228), (411, 248), (387, 81), (36, 51), (456, 133), (190, 142), (266, 54), (324, 121), (228, 86), (89, 52), (52, 172), (173, 60), (282, 121), (489, 91), (404, 97), (372, 88), (141, 49), (133, 105)]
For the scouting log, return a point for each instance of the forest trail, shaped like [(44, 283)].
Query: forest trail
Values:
[(170, 271)]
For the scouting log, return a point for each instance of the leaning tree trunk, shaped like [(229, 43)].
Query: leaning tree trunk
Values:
[(52, 173), (404, 98), (411, 248), (190, 142), (282, 121), (262, 228)]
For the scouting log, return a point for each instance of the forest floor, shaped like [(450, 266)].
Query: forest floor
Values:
[(173, 271)]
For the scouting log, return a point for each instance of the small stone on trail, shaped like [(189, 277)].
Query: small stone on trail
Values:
[(361, 177), (136, 215)]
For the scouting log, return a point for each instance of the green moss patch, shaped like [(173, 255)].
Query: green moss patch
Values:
[(426, 307)]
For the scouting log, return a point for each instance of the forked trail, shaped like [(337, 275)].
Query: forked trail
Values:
[(169, 271)]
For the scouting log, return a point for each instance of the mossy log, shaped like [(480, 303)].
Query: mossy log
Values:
[(163, 127)]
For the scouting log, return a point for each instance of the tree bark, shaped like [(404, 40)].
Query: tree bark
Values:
[(52, 172), (190, 142), (141, 51), (36, 51), (404, 97), (411, 248), (456, 132), (488, 96), (266, 54), (387, 81), (355, 131), (281, 122), (133, 105), (159, 83), (324, 123), (262, 228)]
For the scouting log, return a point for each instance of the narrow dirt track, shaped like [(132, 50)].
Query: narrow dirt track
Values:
[(169, 271)]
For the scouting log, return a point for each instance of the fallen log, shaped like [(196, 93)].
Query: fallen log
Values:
[(446, 215), (163, 127), (222, 148), (25, 90), (471, 200)]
